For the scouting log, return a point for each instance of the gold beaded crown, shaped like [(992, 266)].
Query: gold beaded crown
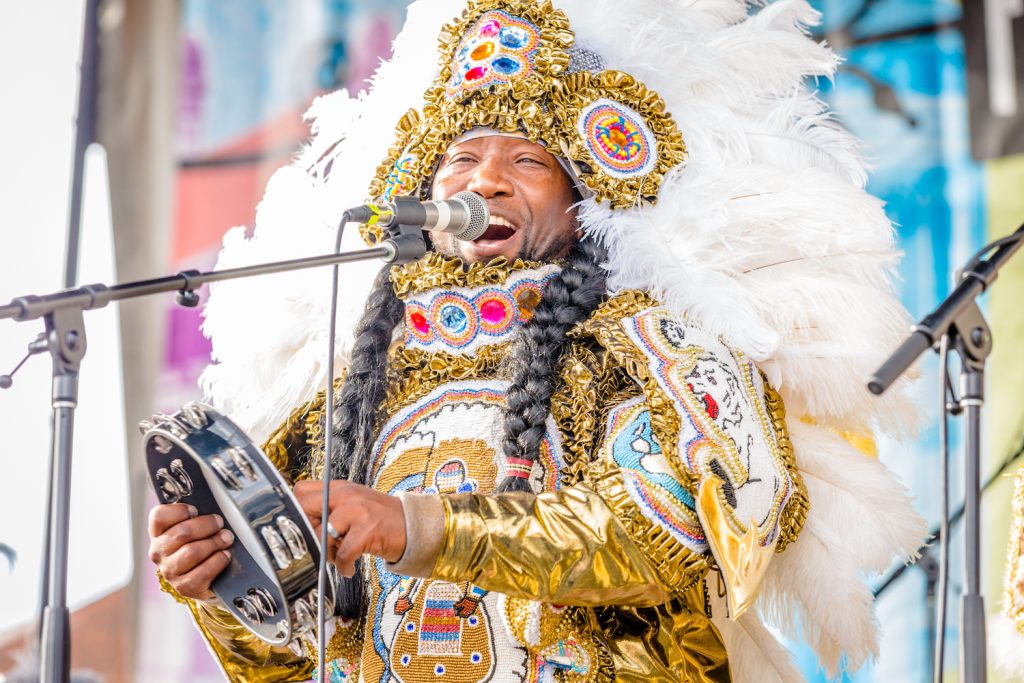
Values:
[(512, 66)]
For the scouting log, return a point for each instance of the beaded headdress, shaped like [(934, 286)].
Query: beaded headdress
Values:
[(719, 185), (514, 66)]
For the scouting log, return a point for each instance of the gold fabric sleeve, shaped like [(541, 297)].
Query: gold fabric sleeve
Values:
[(563, 547), (242, 656)]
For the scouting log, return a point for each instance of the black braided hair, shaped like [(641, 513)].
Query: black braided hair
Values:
[(357, 405), (568, 299)]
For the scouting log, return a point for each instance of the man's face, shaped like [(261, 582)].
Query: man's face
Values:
[(527, 191)]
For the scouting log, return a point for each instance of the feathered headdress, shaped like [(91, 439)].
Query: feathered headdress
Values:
[(718, 182)]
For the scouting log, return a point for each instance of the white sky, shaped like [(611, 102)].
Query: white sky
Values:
[(39, 52)]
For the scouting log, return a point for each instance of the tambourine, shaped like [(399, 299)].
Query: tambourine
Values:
[(200, 457)]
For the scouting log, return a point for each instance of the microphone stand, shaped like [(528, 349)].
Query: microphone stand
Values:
[(960, 319), (64, 338)]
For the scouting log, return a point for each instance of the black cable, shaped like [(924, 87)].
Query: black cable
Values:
[(976, 259), (1010, 458), (325, 475)]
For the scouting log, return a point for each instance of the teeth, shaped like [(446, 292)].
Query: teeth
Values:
[(498, 220)]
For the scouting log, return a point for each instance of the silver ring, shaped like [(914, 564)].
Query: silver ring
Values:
[(332, 532)]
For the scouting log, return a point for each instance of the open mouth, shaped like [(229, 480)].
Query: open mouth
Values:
[(496, 233)]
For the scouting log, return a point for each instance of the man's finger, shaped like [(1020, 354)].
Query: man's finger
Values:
[(310, 496), (163, 517), (196, 583), (349, 550), (183, 534), (191, 555)]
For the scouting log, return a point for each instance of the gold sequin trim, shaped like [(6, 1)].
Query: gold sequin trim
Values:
[(435, 271), (678, 566), (166, 587), (795, 513), (345, 645), (1013, 579), (416, 372)]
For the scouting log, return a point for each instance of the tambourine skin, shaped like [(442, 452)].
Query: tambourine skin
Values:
[(200, 457)]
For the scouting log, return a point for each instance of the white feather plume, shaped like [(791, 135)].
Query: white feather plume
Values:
[(860, 518), (1004, 647), (755, 656)]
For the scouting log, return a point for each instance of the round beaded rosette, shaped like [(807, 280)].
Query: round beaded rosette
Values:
[(512, 66)]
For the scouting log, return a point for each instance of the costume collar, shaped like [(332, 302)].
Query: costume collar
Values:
[(454, 308)]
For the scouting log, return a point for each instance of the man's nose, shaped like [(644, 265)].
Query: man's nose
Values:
[(490, 178)]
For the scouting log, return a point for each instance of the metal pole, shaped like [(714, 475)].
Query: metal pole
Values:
[(85, 135), (972, 606), (55, 646)]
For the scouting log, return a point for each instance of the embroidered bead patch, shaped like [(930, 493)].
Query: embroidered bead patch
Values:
[(462, 319), (618, 139), (498, 48), (724, 427), (649, 477)]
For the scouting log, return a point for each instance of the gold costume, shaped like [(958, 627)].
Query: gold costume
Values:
[(603, 573)]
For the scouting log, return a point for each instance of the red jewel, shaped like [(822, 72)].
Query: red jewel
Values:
[(493, 311), (476, 73), (419, 322)]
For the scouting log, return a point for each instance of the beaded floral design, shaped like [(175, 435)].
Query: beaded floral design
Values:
[(497, 49), (461, 320), (617, 139)]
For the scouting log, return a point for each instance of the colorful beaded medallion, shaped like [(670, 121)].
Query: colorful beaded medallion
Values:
[(618, 139), (463, 319), (497, 49)]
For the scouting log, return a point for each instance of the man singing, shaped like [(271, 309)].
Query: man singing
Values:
[(561, 449)]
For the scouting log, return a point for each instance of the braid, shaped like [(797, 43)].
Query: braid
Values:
[(568, 299), (356, 407)]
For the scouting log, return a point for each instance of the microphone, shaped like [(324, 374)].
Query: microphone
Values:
[(464, 215)]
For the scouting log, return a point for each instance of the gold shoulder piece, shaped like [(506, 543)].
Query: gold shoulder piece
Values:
[(741, 559)]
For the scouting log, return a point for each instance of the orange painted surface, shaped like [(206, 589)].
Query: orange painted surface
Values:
[(212, 199)]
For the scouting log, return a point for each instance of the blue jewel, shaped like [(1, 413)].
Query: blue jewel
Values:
[(505, 65), (513, 37), (453, 319), (406, 659), (410, 628), (439, 669), (475, 658)]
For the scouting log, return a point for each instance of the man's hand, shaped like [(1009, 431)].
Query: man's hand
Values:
[(189, 550), (366, 520)]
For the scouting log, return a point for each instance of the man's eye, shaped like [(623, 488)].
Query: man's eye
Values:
[(531, 160), (460, 159)]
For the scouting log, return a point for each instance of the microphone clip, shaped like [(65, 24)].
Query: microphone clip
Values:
[(407, 243)]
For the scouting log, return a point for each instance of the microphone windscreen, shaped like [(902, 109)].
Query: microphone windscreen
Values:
[(479, 216)]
